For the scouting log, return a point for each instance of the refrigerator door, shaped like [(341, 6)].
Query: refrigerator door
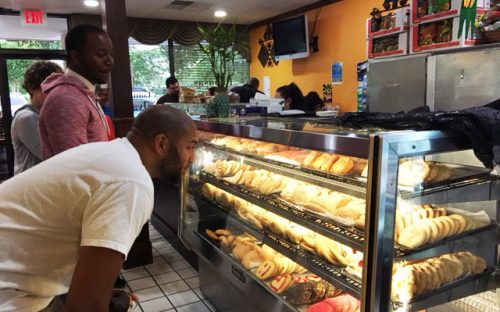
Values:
[(397, 84), (463, 79)]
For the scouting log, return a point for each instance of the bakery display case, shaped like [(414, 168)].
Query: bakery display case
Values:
[(301, 215)]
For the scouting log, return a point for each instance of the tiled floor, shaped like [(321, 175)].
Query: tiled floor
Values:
[(168, 284)]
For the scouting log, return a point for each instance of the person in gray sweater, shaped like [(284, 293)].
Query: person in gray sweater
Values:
[(24, 129)]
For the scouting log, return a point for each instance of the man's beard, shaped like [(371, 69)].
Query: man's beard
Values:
[(171, 163)]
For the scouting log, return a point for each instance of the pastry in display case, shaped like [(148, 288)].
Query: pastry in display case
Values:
[(292, 220)]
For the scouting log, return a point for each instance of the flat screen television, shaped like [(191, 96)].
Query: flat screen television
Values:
[(291, 39)]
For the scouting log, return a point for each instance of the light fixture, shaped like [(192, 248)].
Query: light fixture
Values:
[(91, 3), (220, 13)]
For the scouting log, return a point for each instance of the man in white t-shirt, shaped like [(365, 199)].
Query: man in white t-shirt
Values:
[(67, 224)]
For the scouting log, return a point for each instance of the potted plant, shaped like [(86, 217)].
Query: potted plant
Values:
[(221, 45)]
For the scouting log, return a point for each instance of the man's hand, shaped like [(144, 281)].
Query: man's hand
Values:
[(93, 279)]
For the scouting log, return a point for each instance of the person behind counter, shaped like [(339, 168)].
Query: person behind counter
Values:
[(294, 99), (68, 223), (248, 90), (313, 102), (173, 91)]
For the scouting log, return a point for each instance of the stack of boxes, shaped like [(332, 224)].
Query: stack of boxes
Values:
[(435, 25), (387, 36), (428, 25)]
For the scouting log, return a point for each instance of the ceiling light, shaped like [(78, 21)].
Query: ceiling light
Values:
[(220, 13), (91, 3)]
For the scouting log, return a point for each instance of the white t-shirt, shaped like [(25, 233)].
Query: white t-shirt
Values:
[(97, 194)]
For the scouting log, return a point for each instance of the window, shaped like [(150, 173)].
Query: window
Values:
[(149, 67), (32, 37), (192, 68)]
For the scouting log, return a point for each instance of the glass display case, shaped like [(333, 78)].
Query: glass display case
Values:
[(300, 215)]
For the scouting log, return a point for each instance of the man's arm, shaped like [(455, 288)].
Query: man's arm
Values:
[(93, 279)]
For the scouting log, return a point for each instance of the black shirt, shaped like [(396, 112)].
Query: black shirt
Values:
[(168, 98), (246, 92)]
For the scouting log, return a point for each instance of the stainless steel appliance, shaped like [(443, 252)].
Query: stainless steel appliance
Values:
[(441, 80)]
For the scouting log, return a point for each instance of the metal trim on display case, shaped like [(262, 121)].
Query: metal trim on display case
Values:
[(350, 145), (383, 166)]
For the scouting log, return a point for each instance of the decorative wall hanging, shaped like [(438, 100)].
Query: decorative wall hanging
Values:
[(467, 18), (266, 51)]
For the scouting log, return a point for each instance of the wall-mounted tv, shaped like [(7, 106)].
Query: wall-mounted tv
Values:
[(291, 39)]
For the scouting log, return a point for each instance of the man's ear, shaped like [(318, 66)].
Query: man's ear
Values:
[(161, 144)]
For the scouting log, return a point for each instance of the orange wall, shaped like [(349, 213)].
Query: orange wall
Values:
[(342, 38)]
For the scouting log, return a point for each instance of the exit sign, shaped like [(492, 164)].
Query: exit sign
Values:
[(33, 17)]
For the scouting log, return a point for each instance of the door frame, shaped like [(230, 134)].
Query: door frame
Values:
[(17, 54)]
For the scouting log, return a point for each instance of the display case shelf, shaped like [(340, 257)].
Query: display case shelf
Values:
[(466, 286), (347, 235), (330, 273), (345, 184), (322, 225)]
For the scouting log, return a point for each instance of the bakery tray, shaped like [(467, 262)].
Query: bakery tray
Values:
[(337, 231), (239, 267), (312, 262), (347, 184), (347, 235), (464, 287)]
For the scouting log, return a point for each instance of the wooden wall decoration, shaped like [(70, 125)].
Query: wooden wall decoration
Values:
[(266, 51)]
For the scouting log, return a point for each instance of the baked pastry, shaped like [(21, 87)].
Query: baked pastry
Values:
[(414, 278), (343, 165), (412, 172), (342, 303), (253, 259), (281, 283)]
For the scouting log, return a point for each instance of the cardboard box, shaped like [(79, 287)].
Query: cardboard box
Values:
[(374, 45), (399, 22), (438, 39), (426, 11)]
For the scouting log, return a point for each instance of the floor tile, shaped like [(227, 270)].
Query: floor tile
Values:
[(180, 264), (183, 298), (165, 278), (194, 307), (149, 293), (161, 244), (193, 282), (157, 305), (158, 259), (158, 268), (199, 293), (209, 305), (133, 275), (187, 273), (174, 287), (171, 257), (141, 283)]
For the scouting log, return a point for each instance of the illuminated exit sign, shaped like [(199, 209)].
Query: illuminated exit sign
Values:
[(33, 17)]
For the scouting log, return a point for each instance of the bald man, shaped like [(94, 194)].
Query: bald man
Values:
[(67, 224)]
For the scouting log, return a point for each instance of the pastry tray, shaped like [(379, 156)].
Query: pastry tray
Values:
[(347, 235), (337, 276), (467, 183), (330, 273), (463, 287)]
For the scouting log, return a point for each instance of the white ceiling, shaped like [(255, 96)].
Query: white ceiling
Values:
[(241, 11)]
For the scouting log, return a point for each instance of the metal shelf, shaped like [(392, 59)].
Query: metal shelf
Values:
[(464, 287), (340, 233), (478, 186), (330, 273), (460, 288), (344, 184), (343, 234)]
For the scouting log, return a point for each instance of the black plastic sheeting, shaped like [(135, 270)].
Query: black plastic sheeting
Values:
[(480, 125)]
